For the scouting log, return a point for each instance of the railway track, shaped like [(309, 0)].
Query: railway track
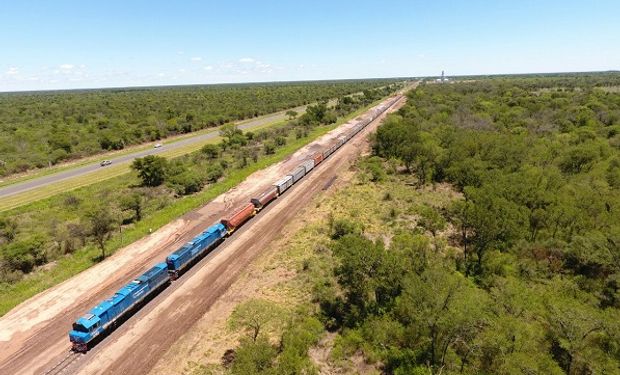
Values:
[(64, 364)]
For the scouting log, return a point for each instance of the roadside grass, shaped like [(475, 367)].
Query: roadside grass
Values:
[(13, 294), (16, 200)]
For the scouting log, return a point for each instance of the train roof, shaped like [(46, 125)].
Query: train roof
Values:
[(88, 320), (215, 228)]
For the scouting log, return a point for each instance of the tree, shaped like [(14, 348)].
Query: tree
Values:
[(231, 132), (102, 222), (134, 202), (444, 309), (151, 169), (432, 220), (211, 151), (291, 114), (253, 357), (255, 316), (369, 275)]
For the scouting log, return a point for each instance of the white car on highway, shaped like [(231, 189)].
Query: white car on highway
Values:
[(157, 145)]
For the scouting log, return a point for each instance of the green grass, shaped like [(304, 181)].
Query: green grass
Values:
[(13, 294)]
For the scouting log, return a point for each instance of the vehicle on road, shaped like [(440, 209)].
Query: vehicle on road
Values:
[(157, 145), (105, 162)]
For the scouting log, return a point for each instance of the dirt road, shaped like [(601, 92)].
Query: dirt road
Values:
[(33, 336)]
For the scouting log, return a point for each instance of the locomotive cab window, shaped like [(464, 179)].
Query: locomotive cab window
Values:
[(79, 328)]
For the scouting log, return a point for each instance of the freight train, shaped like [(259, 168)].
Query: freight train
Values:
[(103, 318)]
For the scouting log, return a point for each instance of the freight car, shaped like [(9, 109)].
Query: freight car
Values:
[(91, 327), (264, 198), (297, 173), (283, 184), (308, 165), (88, 329), (240, 216), (317, 158)]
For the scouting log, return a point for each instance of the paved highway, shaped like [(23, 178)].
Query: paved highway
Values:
[(38, 182)]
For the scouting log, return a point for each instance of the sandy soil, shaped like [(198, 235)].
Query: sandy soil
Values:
[(33, 336)]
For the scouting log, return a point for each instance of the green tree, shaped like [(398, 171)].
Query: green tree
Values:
[(151, 169), (253, 357), (101, 222), (291, 114), (255, 316), (133, 202), (232, 133), (445, 310), (211, 151)]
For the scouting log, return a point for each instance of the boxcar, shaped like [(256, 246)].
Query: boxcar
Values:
[(283, 184), (318, 158), (265, 197), (112, 311), (328, 151), (308, 165), (297, 173), (239, 217)]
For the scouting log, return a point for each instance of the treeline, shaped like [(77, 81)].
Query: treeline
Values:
[(69, 224), (39, 129), (536, 288), (519, 274)]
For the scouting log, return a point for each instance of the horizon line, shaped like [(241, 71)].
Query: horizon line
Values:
[(139, 87)]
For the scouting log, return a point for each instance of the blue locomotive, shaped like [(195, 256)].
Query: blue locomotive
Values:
[(193, 250), (113, 310)]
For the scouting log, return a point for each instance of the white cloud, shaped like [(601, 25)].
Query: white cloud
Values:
[(208, 67), (67, 66), (246, 60), (12, 71), (197, 58)]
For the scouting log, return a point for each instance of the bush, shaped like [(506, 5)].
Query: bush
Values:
[(186, 183), (214, 173), (280, 141), (342, 227), (270, 148), (211, 151), (24, 255), (253, 357)]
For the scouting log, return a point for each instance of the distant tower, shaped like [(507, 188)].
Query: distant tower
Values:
[(442, 76)]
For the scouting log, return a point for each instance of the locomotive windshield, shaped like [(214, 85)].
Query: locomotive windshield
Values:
[(80, 328)]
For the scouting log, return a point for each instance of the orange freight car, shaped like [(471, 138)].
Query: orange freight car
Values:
[(239, 217), (318, 157)]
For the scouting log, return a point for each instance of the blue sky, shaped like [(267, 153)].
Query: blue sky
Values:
[(78, 44)]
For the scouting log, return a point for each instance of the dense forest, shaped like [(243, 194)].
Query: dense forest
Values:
[(71, 231), (38, 129), (520, 273)]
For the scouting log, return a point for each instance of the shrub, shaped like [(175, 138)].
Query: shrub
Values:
[(24, 255)]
